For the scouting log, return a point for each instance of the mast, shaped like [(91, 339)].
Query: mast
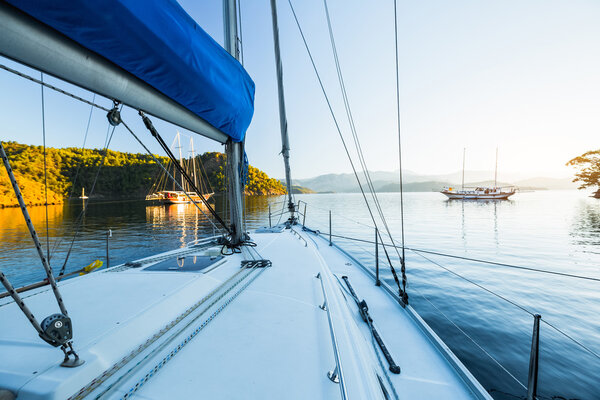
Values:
[(233, 150), (285, 143), (463, 172), (183, 183), (193, 164), (496, 171)]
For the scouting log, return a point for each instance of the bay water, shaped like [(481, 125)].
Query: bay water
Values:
[(483, 312)]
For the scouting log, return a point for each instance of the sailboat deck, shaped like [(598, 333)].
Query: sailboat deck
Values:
[(269, 339)]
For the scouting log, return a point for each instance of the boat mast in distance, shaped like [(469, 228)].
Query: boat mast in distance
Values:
[(463, 172), (285, 143), (496, 170)]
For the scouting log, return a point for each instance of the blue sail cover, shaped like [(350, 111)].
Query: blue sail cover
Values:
[(159, 43)]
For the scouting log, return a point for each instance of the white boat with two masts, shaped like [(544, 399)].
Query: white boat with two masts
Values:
[(479, 193)]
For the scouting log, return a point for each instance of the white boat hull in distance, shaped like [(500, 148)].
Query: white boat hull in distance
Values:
[(478, 194)]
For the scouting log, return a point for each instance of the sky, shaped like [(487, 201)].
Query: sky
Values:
[(520, 75)]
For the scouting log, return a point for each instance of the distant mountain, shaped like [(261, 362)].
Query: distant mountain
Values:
[(385, 181)]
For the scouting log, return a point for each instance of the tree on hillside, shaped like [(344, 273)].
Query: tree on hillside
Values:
[(588, 175)]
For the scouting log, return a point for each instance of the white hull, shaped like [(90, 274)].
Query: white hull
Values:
[(176, 197), (499, 196)]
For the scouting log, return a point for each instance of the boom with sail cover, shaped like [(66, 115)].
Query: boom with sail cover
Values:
[(157, 42)]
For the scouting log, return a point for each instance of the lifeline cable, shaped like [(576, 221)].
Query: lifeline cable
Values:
[(500, 264)]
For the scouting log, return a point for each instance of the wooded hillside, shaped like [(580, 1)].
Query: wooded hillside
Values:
[(129, 175)]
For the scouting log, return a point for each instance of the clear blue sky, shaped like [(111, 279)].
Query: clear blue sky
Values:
[(523, 75)]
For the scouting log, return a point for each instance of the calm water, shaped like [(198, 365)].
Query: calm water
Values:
[(553, 230)]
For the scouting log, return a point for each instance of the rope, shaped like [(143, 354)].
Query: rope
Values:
[(342, 139)]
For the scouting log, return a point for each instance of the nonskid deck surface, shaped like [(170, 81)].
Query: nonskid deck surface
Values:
[(263, 338)]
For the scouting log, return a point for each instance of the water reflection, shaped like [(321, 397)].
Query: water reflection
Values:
[(586, 224)]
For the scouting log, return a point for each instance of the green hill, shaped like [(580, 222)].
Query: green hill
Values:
[(123, 174)]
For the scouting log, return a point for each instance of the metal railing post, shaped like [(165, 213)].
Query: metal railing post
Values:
[(533, 359), (304, 215), (330, 243), (108, 235), (270, 226), (377, 281)]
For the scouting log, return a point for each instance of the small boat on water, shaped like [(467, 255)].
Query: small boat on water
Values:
[(83, 196), (479, 193), (159, 193), (176, 197)]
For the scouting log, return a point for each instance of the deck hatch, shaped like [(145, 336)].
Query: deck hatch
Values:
[(185, 264)]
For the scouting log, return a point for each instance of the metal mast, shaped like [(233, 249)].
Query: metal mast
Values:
[(234, 150), (285, 143), (463, 174), (183, 183)]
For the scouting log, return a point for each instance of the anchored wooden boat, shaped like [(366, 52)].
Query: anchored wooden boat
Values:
[(277, 312), (479, 193)]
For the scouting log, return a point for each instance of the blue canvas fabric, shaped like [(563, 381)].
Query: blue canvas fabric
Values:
[(158, 42)]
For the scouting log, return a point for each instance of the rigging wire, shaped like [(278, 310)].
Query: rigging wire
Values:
[(471, 339), (169, 174), (402, 294), (240, 39), (161, 142), (398, 121), (87, 129), (31, 78), (45, 169), (79, 220), (360, 153)]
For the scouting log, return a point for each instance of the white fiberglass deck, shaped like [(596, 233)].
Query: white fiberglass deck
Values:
[(272, 341)]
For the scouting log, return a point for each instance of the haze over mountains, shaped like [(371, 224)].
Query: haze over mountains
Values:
[(387, 181)]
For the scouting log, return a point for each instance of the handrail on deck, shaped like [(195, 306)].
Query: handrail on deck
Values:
[(337, 372)]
